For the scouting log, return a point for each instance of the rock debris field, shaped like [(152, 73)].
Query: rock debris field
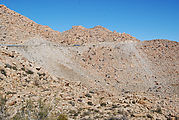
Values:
[(84, 74)]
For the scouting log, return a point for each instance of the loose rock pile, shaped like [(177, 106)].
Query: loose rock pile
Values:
[(22, 80)]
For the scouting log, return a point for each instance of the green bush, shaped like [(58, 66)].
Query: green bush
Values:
[(41, 111), (3, 108), (31, 110), (62, 117)]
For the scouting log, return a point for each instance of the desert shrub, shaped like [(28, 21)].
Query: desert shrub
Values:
[(62, 117), (43, 111), (31, 111), (3, 108)]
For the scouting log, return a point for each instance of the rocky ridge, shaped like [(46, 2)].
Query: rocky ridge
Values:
[(80, 35), (16, 29)]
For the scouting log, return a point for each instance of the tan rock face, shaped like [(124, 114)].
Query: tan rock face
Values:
[(16, 28), (85, 73), (80, 35)]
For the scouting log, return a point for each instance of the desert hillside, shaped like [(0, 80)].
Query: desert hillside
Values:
[(84, 73)]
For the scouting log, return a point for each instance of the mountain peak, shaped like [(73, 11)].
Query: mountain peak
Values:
[(3, 6), (99, 27), (78, 27)]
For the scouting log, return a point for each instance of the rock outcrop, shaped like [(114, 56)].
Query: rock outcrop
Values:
[(16, 28), (80, 35)]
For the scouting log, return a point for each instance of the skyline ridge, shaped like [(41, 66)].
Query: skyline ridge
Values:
[(146, 20)]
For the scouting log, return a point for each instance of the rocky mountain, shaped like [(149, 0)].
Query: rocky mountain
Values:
[(84, 73), (16, 28), (80, 35)]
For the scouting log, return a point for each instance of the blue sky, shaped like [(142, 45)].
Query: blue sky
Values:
[(144, 19)]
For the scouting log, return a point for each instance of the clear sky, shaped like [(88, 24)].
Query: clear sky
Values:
[(144, 19)]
